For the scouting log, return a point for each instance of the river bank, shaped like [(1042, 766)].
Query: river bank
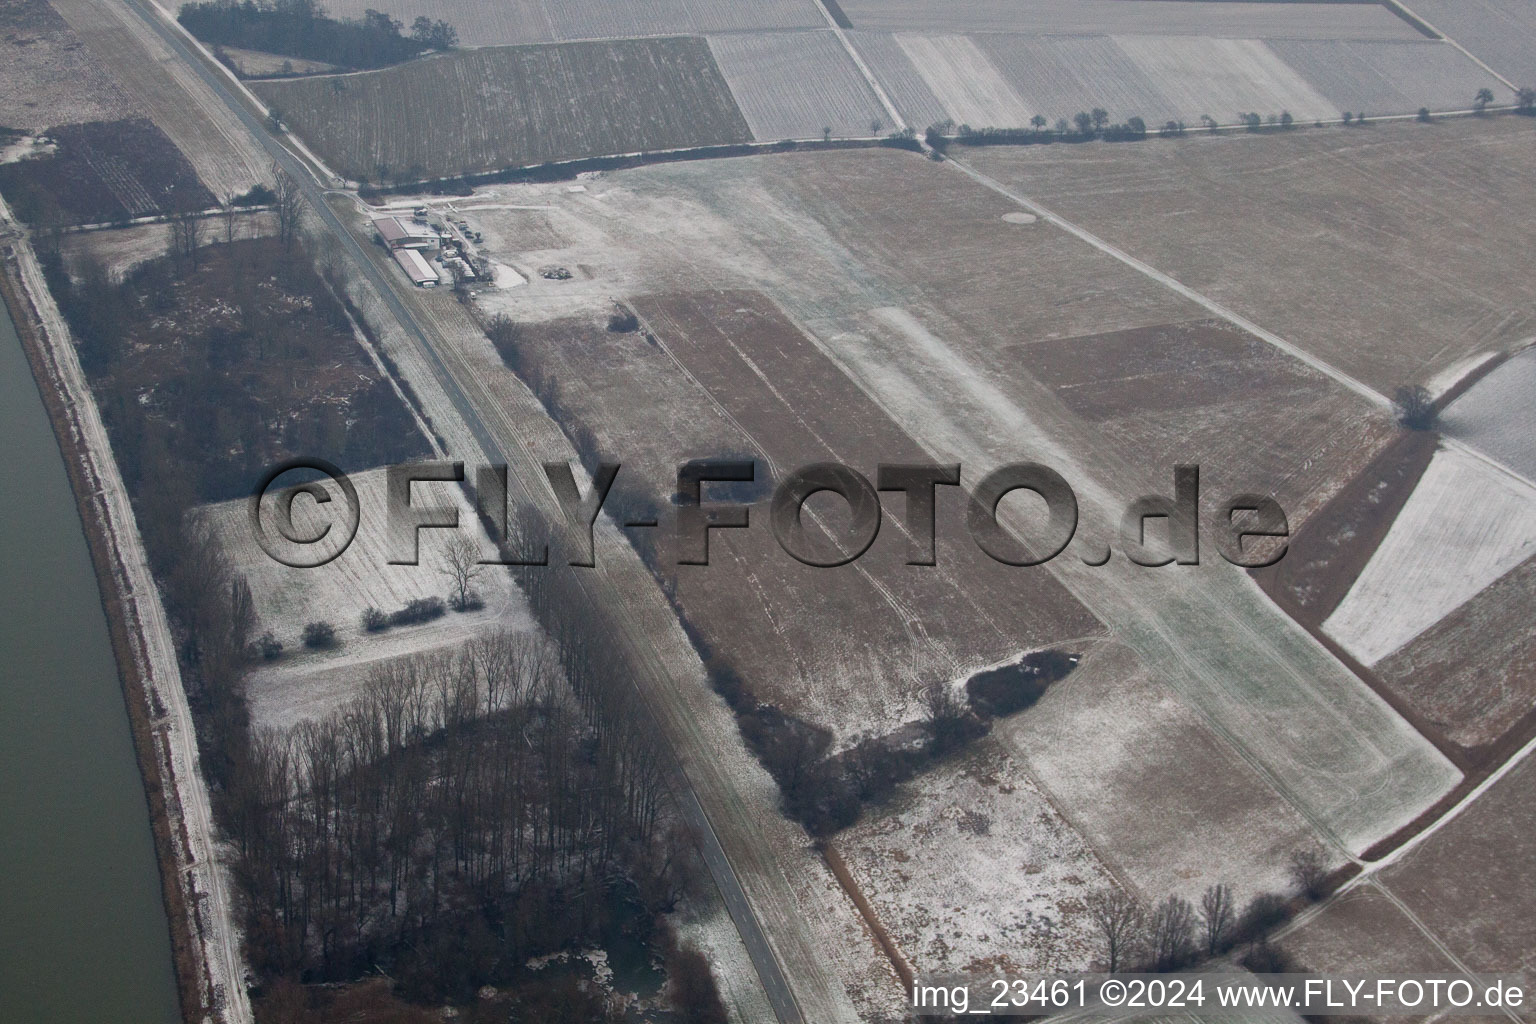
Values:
[(205, 948)]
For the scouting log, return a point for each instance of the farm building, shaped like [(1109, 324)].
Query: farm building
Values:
[(402, 234), (416, 268)]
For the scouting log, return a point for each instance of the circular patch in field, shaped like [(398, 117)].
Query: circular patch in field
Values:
[(1019, 218)]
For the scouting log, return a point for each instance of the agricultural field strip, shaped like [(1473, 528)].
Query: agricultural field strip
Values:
[(964, 81), (794, 85), (1308, 753), (181, 105), (1466, 524), (895, 113), (1232, 75), (1151, 17), (740, 821), (1000, 80), (1358, 387), (482, 110), (516, 22)]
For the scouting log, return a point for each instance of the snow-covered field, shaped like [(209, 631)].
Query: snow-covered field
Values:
[(1150, 17), (1497, 415), (1163, 797), (361, 577), (794, 85), (1222, 78), (1467, 524), (48, 78), (974, 870), (1500, 32), (1002, 79), (968, 87)]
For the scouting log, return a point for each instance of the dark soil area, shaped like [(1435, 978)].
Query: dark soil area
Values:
[(1329, 552), (1012, 688), (224, 369), (103, 172), (1166, 367)]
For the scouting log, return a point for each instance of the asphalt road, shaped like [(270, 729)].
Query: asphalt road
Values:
[(780, 995)]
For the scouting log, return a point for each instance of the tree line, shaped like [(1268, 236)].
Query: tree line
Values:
[(301, 28), (1175, 934)]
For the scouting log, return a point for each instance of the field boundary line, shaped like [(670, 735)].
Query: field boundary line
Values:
[(883, 938), (1509, 765), (1359, 387), (1474, 58), (864, 69)]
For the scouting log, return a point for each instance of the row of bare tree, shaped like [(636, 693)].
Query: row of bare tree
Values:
[(1175, 934)]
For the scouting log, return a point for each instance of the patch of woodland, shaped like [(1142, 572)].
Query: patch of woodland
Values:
[(225, 360), (301, 28)]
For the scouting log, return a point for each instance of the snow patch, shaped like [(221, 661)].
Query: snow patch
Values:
[(1466, 524)]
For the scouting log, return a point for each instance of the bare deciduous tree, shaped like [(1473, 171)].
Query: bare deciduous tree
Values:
[(227, 211), (1308, 871), (1118, 919), (1216, 916), (288, 204), (462, 567), (186, 236), (1415, 407), (1171, 934), (944, 717)]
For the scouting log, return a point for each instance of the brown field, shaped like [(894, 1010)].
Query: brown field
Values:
[(227, 158), (916, 290), (46, 77), (103, 171), (1474, 672), (1383, 250), (1470, 886), (481, 110), (1363, 932), (729, 376), (1327, 555), (1473, 883)]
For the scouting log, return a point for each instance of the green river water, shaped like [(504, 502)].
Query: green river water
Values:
[(83, 935)]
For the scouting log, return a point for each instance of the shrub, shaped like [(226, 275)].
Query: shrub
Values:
[(269, 647), (319, 635), (1263, 913), (1424, 115), (623, 322), (1415, 407), (1309, 872), (375, 621), (423, 609), (259, 195), (1011, 688)]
